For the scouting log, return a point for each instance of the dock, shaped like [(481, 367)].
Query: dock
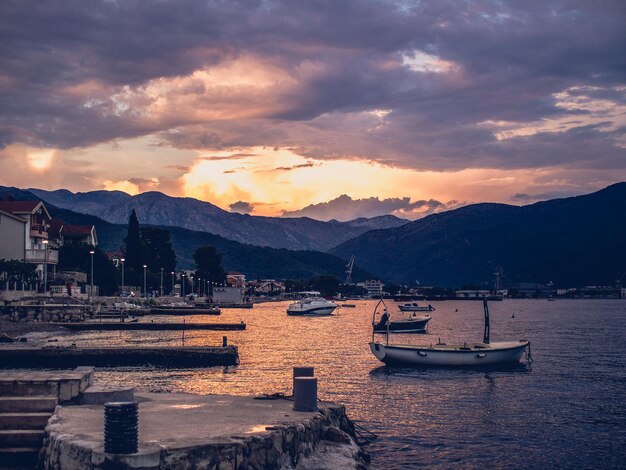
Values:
[(182, 311), (151, 326), (64, 357)]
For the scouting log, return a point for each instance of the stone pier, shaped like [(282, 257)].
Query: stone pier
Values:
[(183, 431)]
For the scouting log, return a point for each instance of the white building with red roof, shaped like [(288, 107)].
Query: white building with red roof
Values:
[(31, 243)]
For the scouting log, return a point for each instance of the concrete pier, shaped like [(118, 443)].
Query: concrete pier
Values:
[(213, 432), (160, 326), (13, 356)]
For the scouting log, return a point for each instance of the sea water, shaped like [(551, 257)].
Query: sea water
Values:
[(567, 410)]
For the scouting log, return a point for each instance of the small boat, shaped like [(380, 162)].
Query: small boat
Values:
[(444, 355), (312, 304), (410, 324), (414, 307), (348, 305)]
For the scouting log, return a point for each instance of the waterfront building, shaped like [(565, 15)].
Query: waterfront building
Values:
[(31, 244), (236, 279), (374, 288), (12, 229), (472, 293), (228, 295), (269, 286)]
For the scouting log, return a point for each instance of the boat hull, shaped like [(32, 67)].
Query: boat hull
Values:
[(314, 312), (415, 309), (450, 356)]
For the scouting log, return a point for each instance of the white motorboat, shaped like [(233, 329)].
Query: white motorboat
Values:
[(441, 354), (414, 307), (312, 304)]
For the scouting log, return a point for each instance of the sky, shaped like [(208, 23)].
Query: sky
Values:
[(329, 109)]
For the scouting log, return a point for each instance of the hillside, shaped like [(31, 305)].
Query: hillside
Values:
[(156, 208), (254, 261), (571, 241)]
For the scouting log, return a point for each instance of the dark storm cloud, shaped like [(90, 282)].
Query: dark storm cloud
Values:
[(524, 198), (345, 208), (73, 73), (241, 207)]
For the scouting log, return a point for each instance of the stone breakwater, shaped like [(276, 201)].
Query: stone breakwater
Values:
[(213, 432), (47, 313)]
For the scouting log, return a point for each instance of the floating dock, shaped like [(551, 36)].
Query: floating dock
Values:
[(153, 326), (182, 311), (66, 357)]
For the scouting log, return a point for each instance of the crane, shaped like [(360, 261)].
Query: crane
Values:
[(349, 267)]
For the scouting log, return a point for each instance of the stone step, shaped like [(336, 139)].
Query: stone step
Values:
[(21, 438), (23, 388), (27, 404), (19, 457), (24, 420)]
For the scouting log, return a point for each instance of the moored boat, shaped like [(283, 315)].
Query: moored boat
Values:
[(312, 304), (457, 355), (414, 307), (410, 324), (475, 354)]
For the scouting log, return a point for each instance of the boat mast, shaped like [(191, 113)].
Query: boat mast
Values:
[(486, 333)]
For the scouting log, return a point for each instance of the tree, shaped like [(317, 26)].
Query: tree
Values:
[(133, 244), (13, 272), (78, 258), (209, 264), (157, 251), (326, 285)]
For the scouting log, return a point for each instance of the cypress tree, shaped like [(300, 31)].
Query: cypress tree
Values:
[(133, 244)]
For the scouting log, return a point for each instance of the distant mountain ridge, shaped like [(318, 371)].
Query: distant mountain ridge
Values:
[(572, 241), (156, 208), (254, 261)]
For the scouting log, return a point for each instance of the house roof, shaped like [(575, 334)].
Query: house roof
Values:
[(56, 225), (114, 254), (11, 216), (22, 207), (77, 229), (234, 273)]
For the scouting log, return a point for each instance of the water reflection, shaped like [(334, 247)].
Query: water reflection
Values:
[(557, 415)]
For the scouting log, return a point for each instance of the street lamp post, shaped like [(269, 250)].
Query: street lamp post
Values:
[(45, 266), (182, 282), (145, 290), (161, 282), (172, 288), (122, 261), (91, 253), (192, 291)]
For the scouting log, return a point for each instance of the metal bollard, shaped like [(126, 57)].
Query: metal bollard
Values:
[(121, 427), (301, 372), (305, 394), (224, 341)]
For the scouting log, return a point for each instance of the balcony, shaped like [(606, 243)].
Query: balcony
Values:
[(38, 231), (39, 256)]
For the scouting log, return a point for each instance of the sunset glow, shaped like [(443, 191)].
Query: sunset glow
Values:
[(279, 106)]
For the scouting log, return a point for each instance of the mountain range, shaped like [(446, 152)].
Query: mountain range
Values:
[(572, 241), (254, 261), (154, 208)]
